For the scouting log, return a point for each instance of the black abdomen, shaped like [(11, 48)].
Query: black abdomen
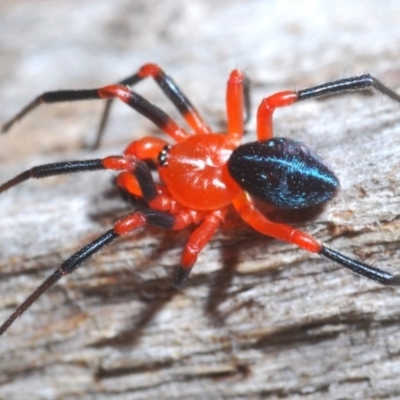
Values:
[(283, 172)]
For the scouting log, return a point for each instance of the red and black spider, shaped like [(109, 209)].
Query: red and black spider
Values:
[(204, 173)]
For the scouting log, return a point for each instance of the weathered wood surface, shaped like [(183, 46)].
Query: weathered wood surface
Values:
[(259, 318)]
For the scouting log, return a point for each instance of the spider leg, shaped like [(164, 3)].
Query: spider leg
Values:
[(245, 207), (166, 83), (138, 169), (52, 97), (116, 163), (142, 149), (123, 226), (197, 240), (347, 85), (358, 267), (266, 110), (237, 103), (341, 86), (154, 196), (170, 89), (134, 100), (42, 171)]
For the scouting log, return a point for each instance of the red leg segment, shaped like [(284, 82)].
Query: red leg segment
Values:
[(234, 104), (200, 237), (245, 207), (197, 240), (267, 108), (129, 183)]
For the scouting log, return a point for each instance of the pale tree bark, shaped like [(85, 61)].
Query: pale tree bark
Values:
[(258, 318)]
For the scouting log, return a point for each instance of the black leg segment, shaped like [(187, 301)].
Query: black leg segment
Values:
[(65, 268), (146, 182), (148, 110), (357, 83), (158, 218), (360, 268), (171, 91), (59, 96), (150, 216), (43, 171), (166, 84), (181, 277)]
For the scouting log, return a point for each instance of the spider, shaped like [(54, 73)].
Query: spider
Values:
[(204, 173)]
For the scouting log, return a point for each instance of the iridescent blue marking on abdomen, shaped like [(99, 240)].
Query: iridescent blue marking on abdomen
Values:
[(283, 172)]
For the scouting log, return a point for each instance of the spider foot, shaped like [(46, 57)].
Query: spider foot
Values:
[(181, 277)]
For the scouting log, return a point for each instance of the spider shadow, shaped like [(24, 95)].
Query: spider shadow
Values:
[(243, 238), (158, 292)]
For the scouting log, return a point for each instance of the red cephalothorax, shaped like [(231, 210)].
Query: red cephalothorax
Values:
[(202, 173), (199, 165)]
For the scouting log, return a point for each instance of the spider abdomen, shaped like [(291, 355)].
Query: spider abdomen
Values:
[(283, 172)]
